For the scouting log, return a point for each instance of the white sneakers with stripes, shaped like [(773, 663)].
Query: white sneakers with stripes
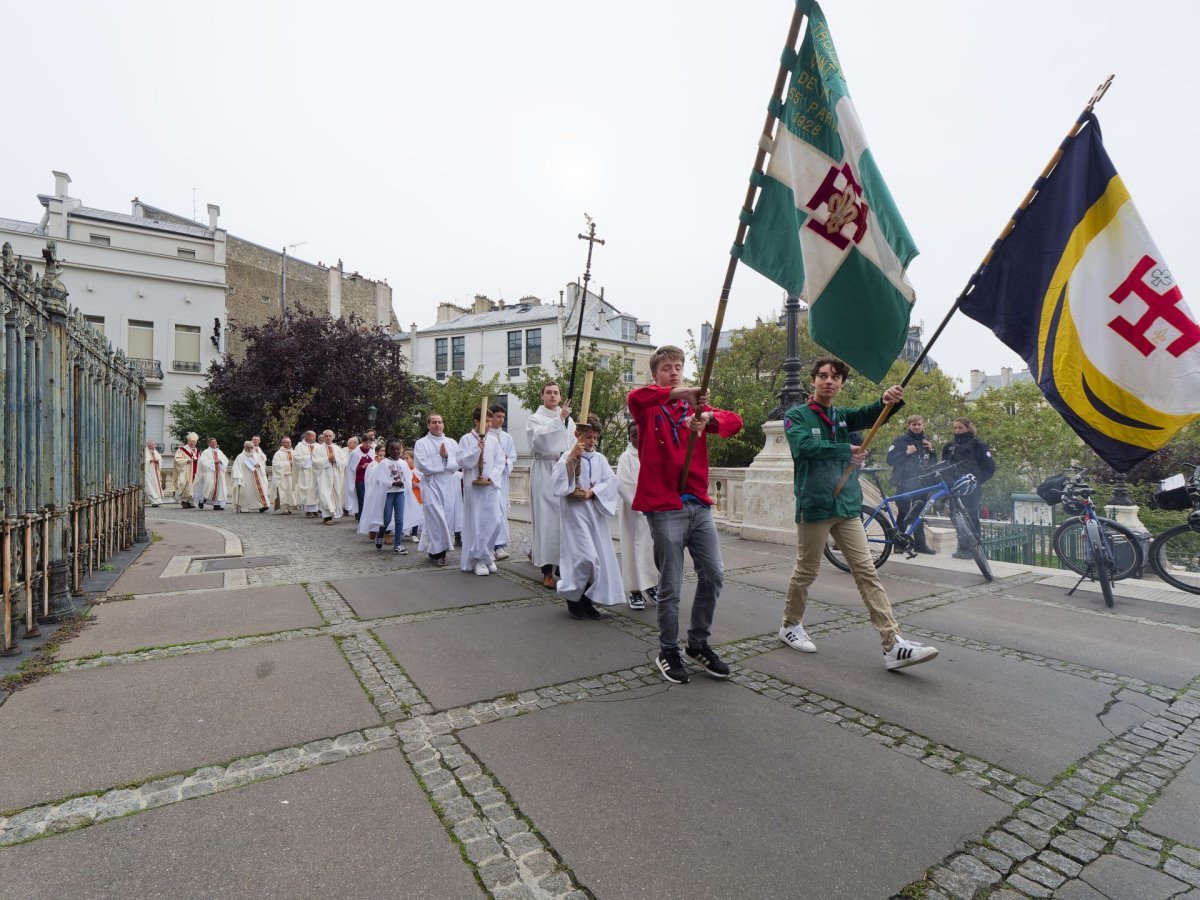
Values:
[(907, 653), (797, 638)]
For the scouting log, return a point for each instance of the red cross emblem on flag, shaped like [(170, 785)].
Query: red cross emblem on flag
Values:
[(844, 205), (1158, 306)]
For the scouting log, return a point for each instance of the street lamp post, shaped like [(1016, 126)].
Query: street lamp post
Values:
[(793, 391)]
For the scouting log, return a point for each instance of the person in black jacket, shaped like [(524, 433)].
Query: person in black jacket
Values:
[(911, 456), (973, 456)]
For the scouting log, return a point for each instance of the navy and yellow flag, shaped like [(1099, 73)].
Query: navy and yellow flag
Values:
[(1080, 291)]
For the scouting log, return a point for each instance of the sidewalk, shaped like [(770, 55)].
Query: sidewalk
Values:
[(267, 707)]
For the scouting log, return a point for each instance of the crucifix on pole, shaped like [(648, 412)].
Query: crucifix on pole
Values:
[(592, 240)]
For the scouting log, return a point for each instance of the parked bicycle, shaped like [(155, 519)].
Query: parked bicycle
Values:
[(885, 533), (1090, 545), (1175, 554)]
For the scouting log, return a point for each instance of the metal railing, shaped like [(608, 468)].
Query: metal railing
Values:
[(70, 447), (149, 368), (1026, 545)]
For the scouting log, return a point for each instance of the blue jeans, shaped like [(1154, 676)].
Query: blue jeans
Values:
[(360, 491), (393, 511), (673, 530)]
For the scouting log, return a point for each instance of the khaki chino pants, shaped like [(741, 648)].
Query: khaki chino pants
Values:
[(852, 539)]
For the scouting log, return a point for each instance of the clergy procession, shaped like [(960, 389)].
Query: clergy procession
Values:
[(444, 494)]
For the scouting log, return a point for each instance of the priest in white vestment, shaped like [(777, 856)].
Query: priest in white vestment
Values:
[(306, 474), (436, 456), (329, 465), (638, 570), (482, 516), (249, 478), (187, 468), (259, 453), (550, 433), (213, 484), (498, 414), (589, 572), (152, 466), (349, 496), (283, 478)]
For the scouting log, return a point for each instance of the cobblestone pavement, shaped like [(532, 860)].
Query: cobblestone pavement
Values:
[(1050, 751)]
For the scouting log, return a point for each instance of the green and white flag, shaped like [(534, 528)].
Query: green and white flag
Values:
[(825, 226)]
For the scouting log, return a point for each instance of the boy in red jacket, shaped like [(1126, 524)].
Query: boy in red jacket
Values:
[(667, 413)]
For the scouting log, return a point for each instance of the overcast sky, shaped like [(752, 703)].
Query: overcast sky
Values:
[(453, 148)]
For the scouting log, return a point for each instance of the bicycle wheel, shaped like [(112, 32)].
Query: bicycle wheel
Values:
[(1175, 558), (969, 539), (877, 527), (1071, 546), (1101, 568)]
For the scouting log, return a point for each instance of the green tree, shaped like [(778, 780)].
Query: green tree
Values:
[(203, 412), (453, 399), (609, 389)]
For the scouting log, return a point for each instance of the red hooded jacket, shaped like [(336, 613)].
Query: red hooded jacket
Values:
[(662, 444)]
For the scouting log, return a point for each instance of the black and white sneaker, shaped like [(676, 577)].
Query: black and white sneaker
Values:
[(907, 653), (401, 551), (671, 666), (636, 600), (652, 595), (707, 657)]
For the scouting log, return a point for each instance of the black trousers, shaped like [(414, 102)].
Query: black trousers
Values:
[(902, 510), (971, 503)]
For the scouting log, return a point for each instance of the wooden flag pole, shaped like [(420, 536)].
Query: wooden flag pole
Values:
[(764, 141), (1097, 96)]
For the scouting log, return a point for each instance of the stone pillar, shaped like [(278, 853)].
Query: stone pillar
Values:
[(769, 512), (335, 292)]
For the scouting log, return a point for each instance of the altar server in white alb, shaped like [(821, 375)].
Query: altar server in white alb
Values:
[(550, 433), (588, 568), (187, 470), (637, 545), (304, 465), (249, 481), (283, 478), (213, 484), (497, 415), (436, 457), (152, 465), (329, 466), (483, 525)]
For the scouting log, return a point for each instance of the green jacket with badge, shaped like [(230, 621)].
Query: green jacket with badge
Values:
[(820, 442)]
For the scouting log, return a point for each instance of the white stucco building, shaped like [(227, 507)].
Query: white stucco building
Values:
[(155, 288), (509, 337)]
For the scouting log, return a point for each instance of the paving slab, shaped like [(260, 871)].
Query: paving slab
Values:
[(463, 659), (933, 574), (178, 539), (1030, 719), (1115, 876), (100, 727), (1145, 609), (244, 562), (405, 591), (762, 800), (157, 621), (1176, 814), (741, 555), (1149, 652), (836, 587), (741, 613), (357, 828)]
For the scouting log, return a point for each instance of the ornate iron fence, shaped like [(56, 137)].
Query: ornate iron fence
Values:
[(70, 446)]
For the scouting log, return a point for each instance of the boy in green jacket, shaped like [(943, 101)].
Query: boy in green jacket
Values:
[(819, 436)]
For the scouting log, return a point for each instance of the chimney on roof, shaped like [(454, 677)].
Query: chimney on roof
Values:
[(1006, 376), (977, 378), (61, 180), (214, 213)]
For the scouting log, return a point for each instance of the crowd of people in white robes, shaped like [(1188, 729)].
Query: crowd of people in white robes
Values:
[(444, 493)]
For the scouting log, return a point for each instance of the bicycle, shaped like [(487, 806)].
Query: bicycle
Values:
[(1087, 543), (1175, 554), (885, 533)]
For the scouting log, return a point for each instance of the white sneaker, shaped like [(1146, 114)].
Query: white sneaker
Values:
[(907, 653), (502, 553), (491, 567), (797, 638), (481, 569)]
